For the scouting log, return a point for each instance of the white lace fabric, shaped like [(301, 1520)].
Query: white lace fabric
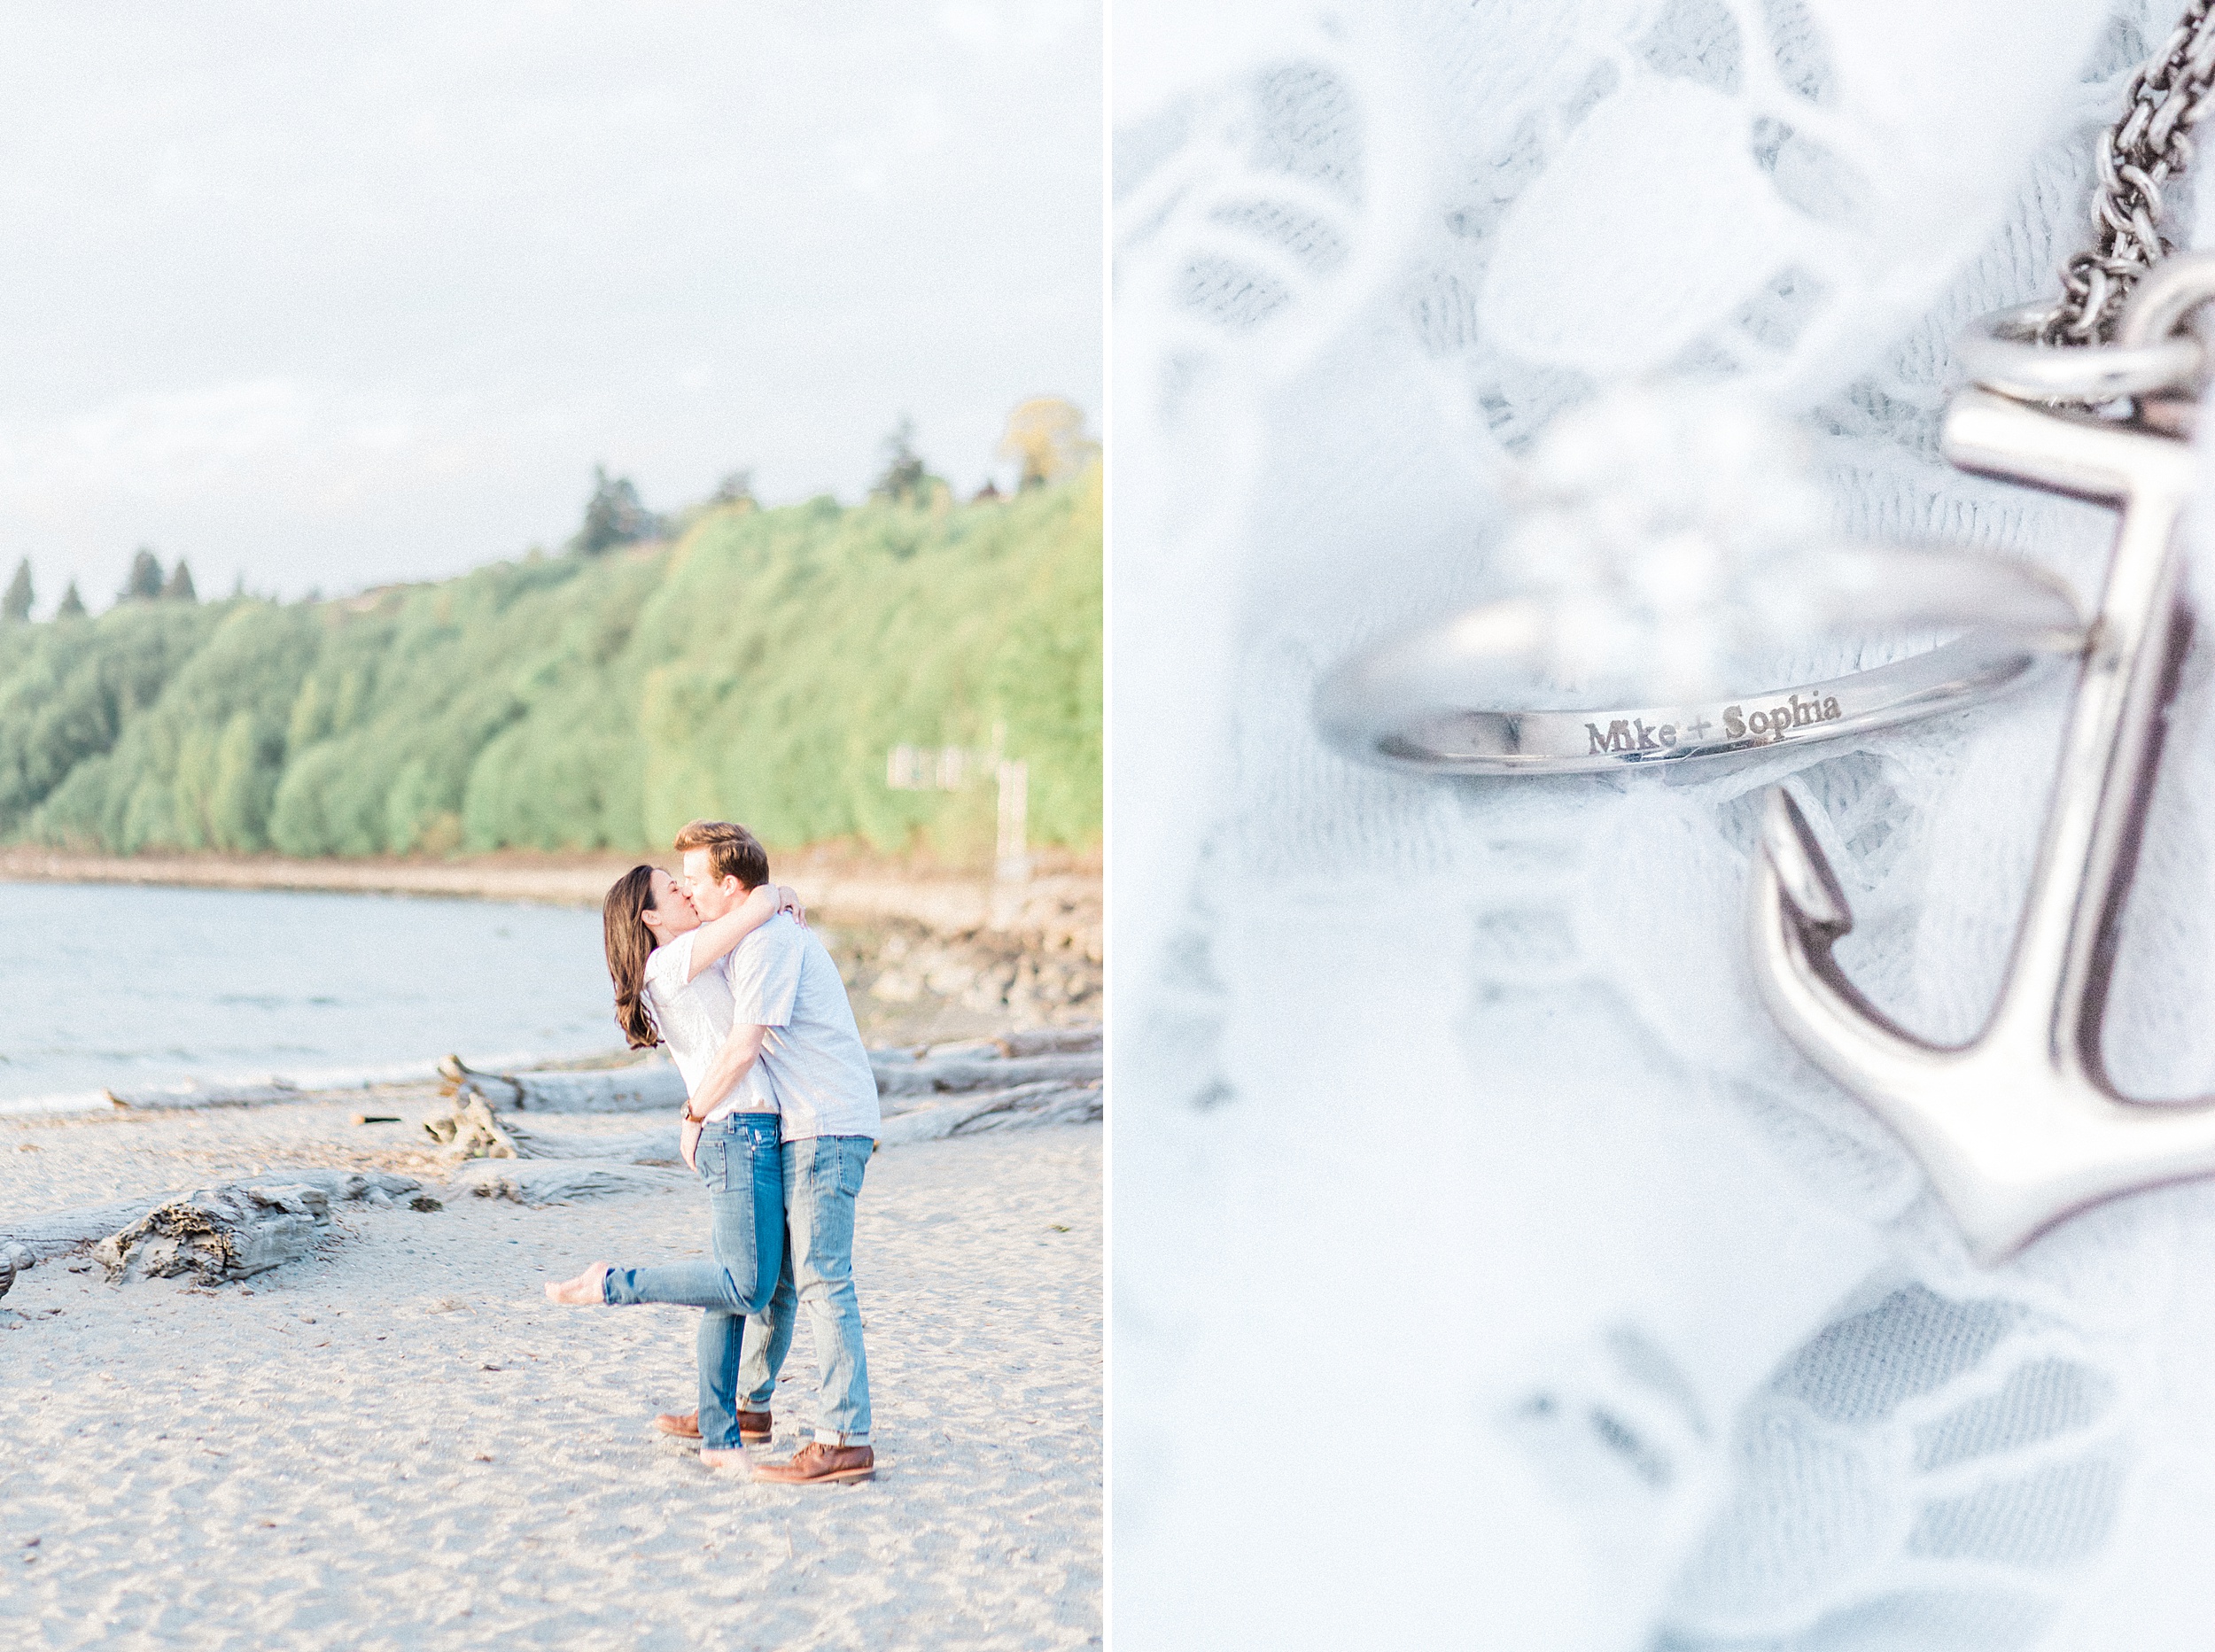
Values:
[(1489, 1270)]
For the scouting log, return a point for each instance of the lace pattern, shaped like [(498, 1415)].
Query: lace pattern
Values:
[(1449, 1132)]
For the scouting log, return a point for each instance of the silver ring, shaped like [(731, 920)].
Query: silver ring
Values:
[(1428, 700)]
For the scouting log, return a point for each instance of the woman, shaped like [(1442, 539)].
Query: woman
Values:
[(661, 958)]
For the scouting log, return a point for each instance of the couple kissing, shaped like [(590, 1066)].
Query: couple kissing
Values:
[(780, 1116)]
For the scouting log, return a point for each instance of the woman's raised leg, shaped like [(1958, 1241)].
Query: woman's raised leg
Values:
[(588, 1290), (738, 1162)]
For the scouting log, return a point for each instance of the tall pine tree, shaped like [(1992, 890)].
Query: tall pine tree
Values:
[(613, 515), (179, 586), (17, 607), (143, 584), (905, 479), (72, 604)]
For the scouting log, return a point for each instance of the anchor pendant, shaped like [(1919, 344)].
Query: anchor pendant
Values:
[(2021, 1127)]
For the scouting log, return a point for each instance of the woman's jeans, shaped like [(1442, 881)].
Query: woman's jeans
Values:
[(744, 1173)]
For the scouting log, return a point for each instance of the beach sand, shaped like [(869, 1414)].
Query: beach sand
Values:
[(399, 1442)]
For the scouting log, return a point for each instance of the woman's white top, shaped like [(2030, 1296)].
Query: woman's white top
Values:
[(694, 1019)]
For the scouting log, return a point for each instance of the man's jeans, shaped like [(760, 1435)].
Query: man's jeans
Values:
[(821, 1178), (738, 1162)]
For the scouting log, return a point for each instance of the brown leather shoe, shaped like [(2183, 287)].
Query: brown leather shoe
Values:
[(818, 1464), (753, 1426)]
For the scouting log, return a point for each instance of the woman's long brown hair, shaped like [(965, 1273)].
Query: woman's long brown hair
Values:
[(629, 943)]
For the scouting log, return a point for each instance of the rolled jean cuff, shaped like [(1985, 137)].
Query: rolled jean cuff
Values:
[(832, 1437)]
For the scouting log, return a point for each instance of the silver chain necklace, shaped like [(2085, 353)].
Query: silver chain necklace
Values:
[(2145, 150)]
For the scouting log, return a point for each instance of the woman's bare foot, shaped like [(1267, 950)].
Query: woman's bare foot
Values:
[(732, 1458), (584, 1291)]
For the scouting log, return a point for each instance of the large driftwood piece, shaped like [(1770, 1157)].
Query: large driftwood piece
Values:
[(1049, 1076), (1026, 1106), (61, 1230), (36, 1237), (239, 1230), (191, 1096), (637, 1147), (944, 1070), (1044, 1041), (650, 1086), (171, 1099), (473, 1130), (214, 1237), (645, 1088), (943, 1075), (562, 1181), (1036, 1041)]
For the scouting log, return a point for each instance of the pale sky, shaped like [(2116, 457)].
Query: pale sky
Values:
[(329, 295)]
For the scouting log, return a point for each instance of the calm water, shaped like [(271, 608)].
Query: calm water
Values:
[(119, 988)]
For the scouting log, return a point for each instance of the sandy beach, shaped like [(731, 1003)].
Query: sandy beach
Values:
[(399, 1442)]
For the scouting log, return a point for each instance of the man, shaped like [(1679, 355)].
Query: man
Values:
[(789, 1014)]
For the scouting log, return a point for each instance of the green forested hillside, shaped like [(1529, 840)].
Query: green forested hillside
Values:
[(757, 670)]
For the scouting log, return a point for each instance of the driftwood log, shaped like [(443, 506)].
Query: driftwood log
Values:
[(1026, 1080), (655, 1084), (658, 1146), (241, 1229), (1052, 1076), (502, 1157), (945, 1076), (37, 1237), (191, 1096), (473, 1130), (562, 1181), (1025, 1106), (1043, 1041), (650, 1086), (233, 1234)]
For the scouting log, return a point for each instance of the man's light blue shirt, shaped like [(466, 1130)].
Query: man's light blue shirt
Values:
[(781, 979)]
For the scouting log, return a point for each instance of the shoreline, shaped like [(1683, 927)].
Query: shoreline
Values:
[(1065, 895), (925, 957)]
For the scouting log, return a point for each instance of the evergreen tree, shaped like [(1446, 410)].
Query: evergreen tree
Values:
[(613, 515), (143, 584), (72, 604), (17, 604), (179, 588), (905, 479)]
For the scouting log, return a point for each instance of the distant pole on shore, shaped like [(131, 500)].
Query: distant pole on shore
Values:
[(1015, 819), (947, 769)]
